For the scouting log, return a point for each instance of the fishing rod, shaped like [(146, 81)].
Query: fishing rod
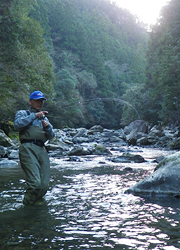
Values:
[(106, 99)]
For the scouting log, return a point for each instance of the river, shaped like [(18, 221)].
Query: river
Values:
[(86, 208)]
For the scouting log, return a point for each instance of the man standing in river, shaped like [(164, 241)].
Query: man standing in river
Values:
[(34, 130)]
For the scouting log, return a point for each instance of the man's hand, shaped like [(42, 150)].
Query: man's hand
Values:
[(42, 113), (45, 123)]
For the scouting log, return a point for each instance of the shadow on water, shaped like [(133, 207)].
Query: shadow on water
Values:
[(25, 226), (86, 208)]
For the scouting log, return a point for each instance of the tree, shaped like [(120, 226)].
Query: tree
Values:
[(25, 64), (87, 36), (163, 63), (67, 99)]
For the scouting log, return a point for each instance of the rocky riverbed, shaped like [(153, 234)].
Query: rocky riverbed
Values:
[(119, 146), (96, 140)]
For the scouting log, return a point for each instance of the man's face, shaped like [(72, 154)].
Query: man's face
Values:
[(36, 104)]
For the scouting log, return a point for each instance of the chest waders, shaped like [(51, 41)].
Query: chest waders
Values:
[(35, 163)]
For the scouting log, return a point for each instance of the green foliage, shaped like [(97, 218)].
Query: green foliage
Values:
[(24, 63), (82, 54), (163, 68), (103, 49), (86, 83), (138, 104), (67, 97)]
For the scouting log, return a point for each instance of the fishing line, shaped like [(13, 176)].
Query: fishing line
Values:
[(107, 99)]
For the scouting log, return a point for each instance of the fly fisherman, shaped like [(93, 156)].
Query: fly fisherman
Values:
[(34, 130)]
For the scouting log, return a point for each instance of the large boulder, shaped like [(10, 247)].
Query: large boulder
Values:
[(164, 181), (138, 126), (96, 128)]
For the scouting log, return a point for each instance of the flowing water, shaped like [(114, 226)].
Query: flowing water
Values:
[(86, 208)]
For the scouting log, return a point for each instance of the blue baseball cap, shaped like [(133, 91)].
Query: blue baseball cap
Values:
[(36, 95)]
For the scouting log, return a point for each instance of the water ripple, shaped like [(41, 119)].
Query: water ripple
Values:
[(86, 208)]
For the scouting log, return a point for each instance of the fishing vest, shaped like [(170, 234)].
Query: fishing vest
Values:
[(33, 133)]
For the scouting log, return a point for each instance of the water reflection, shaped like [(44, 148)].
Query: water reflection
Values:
[(86, 208)]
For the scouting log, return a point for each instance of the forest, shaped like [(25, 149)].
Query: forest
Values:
[(95, 62)]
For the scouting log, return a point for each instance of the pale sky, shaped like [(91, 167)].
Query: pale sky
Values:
[(147, 10)]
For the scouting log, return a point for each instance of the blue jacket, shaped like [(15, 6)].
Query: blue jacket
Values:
[(25, 118)]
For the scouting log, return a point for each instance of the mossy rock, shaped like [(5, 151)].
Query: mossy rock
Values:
[(7, 127), (5, 140)]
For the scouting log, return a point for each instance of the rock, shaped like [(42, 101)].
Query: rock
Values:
[(96, 128), (128, 158), (80, 132), (3, 151), (159, 159), (57, 144), (52, 147), (79, 151), (75, 158), (131, 138), (156, 131), (164, 181), (169, 133), (115, 139), (14, 154), (57, 153), (138, 126), (80, 140), (60, 134), (143, 141), (7, 162), (68, 142), (100, 150), (128, 169), (7, 127), (175, 144), (152, 139), (5, 140)]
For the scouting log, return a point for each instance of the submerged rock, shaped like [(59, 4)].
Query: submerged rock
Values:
[(164, 181)]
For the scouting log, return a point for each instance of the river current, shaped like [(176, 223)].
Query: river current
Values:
[(86, 208)]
